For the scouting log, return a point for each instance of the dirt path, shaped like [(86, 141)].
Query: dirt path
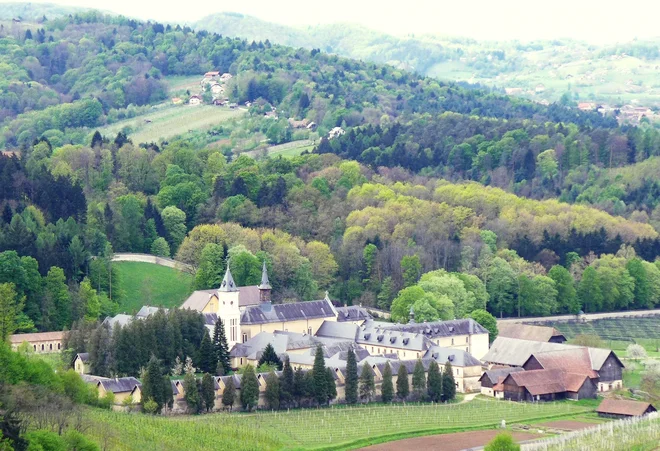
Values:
[(567, 425), (448, 442), (146, 258)]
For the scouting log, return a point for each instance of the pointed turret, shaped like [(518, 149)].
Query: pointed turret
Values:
[(228, 283), (411, 316), (264, 286)]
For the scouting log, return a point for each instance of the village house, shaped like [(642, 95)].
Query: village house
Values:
[(81, 363), (40, 342), (177, 100), (217, 89), (491, 381), (624, 408), (602, 366), (122, 388), (195, 100), (299, 124), (336, 132), (528, 332), (226, 77)]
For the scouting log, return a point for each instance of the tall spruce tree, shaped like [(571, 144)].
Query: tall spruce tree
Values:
[(229, 394), (207, 357), (402, 385), (286, 383), (249, 388), (298, 392), (320, 381), (153, 384), (272, 393), (331, 392), (434, 382), (386, 388), (220, 346), (419, 380), (448, 383), (367, 383), (191, 394), (351, 383), (208, 392), (269, 356)]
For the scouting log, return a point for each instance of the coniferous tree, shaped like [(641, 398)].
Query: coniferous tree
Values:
[(153, 384), (320, 381), (419, 380), (7, 214), (229, 394), (286, 383), (191, 393), (272, 392), (386, 388), (249, 388), (100, 351), (434, 382), (402, 385), (298, 386), (331, 384), (448, 383), (208, 392), (207, 359), (220, 346), (351, 383), (367, 383), (270, 357)]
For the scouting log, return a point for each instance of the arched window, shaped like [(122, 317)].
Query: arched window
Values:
[(51, 346), (42, 347)]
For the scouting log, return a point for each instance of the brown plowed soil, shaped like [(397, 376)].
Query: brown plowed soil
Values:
[(447, 442)]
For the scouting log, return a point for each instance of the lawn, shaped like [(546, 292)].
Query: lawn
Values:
[(151, 284), (333, 428), (170, 121)]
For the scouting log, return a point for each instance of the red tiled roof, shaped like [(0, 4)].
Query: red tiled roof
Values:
[(624, 407), (575, 361)]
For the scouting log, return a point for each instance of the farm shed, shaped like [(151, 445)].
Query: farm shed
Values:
[(623, 408)]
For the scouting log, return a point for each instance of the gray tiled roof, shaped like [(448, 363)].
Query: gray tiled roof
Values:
[(335, 329), (456, 357), (247, 296), (352, 313), (409, 364), (495, 375), (121, 320), (210, 319), (147, 310), (435, 329), (120, 385), (392, 338), (84, 356), (274, 313)]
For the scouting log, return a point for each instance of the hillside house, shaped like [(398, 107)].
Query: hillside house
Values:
[(491, 381), (299, 124), (177, 100), (528, 332), (624, 408), (212, 74), (122, 388), (41, 342), (336, 132), (226, 77), (195, 100), (81, 363), (217, 89), (601, 365)]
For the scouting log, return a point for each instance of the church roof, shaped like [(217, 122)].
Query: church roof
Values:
[(198, 299), (228, 283), (269, 313), (265, 284)]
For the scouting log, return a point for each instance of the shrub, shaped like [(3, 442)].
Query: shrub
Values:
[(636, 352), (502, 442)]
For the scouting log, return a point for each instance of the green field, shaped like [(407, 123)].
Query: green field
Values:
[(169, 121), (333, 428), (151, 284), (286, 150), (646, 330)]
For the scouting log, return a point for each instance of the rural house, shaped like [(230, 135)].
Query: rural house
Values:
[(624, 408), (195, 100), (81, 363), (547, 385), (122, 388), (491, 381), (41, 342)]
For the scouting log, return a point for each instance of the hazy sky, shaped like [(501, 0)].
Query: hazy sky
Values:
[(592, 20)]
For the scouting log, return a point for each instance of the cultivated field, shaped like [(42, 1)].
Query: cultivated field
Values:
[(151, 284), (170, 121), (637, 434), (333, 428)]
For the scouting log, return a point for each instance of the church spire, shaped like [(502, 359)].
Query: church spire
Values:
[(265, 284), (228, 283)]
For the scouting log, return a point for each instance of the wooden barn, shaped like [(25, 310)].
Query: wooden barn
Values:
[(624, 408)]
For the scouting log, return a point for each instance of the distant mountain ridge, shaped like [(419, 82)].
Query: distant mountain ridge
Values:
[(36, 11)]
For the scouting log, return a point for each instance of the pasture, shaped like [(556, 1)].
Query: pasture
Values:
[(330, 428), (286, 150), (151, 284), (170, 121)]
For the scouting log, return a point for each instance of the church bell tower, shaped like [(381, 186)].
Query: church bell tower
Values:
[(229, 308), (264, 286)]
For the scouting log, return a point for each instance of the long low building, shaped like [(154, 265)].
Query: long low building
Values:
[(41, 342)]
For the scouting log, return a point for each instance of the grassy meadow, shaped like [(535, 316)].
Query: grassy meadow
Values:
[(286, 150), (151, 284), (169, 121), (333, 428)]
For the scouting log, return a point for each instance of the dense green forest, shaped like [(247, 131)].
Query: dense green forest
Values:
[(439, 196)]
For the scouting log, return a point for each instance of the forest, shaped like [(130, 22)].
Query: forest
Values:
[(443, 197)]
